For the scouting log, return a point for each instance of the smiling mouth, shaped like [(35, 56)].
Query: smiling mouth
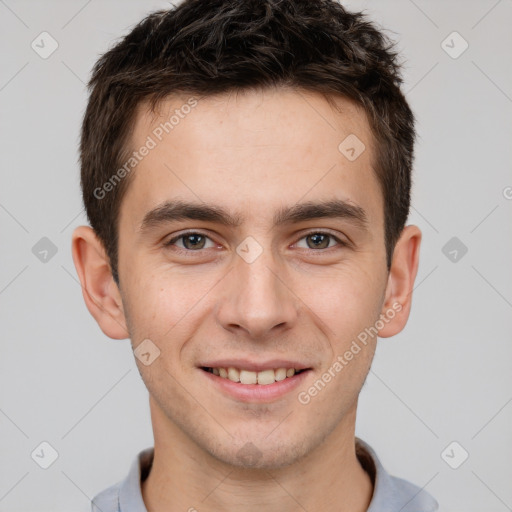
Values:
[(263, 377)]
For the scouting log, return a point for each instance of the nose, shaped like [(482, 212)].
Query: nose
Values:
[(257, 299)]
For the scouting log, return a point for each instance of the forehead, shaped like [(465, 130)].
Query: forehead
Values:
[(253, 152)]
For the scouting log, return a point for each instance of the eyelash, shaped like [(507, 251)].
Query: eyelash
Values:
[(340, 243)]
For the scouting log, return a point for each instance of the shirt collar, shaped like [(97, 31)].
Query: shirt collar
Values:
[(390, 493), (130, 493)]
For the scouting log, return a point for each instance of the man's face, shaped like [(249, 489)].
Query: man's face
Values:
[(259, 295)]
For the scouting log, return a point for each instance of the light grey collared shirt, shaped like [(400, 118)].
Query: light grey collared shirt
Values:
[(390, 494)]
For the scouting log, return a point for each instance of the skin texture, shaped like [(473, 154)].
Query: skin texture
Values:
[(252, 153)]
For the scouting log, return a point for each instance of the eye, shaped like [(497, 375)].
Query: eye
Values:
[(191, 241), (321, 240), (195, 241)]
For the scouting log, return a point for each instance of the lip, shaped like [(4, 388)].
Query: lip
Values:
[(256, 393), (255, 366)]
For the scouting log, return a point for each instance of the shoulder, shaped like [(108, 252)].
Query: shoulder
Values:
[(126, 495), (410, 497), (107, 500)]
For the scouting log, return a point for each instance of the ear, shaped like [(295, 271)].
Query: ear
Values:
[(398, 296), (100, 291)]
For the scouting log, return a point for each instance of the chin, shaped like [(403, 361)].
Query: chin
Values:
[(260, 454)]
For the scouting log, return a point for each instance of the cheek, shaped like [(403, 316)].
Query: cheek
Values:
[(346, 302), (162, 303)]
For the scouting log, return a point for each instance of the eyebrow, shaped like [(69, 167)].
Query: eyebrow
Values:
[(177, 210)]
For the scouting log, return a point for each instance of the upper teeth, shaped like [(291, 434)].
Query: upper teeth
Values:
[(248, 377)]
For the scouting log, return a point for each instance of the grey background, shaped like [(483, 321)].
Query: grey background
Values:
[(445, 378)]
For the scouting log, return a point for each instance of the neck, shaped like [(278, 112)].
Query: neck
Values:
[(184, 477)]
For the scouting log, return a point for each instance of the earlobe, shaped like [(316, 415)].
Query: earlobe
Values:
[(100, 292), (404, 267)]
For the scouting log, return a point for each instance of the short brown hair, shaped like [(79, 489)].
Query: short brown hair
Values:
[(206, 47)]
